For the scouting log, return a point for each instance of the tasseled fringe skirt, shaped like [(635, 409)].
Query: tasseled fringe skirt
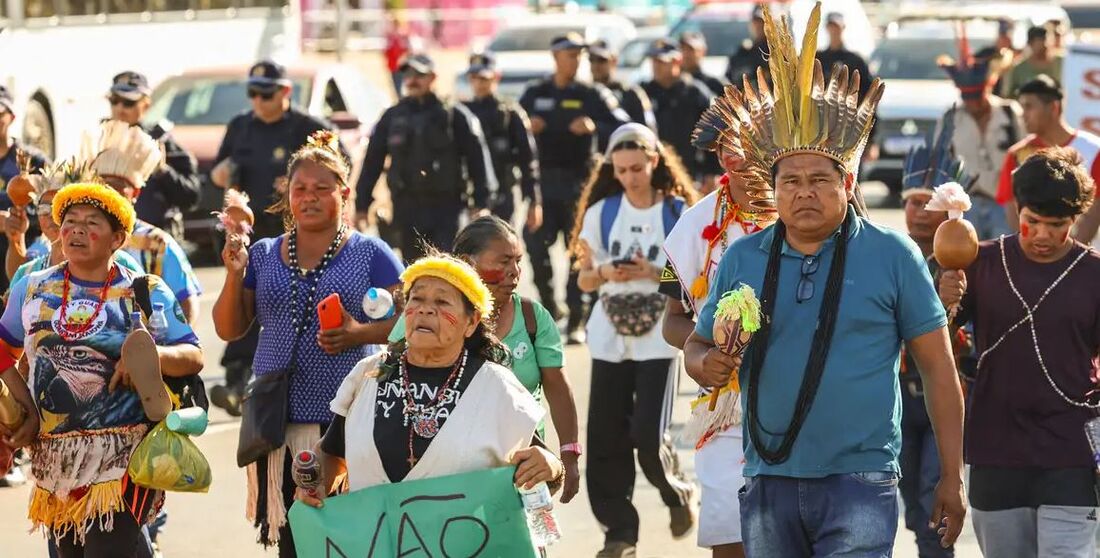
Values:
[(265, 506)]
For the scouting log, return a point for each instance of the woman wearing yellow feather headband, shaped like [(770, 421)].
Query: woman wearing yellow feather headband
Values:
[(819, 381), (278, 283)]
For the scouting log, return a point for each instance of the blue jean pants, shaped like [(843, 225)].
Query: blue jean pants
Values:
[(920, 472), (848, 515), (988, 217)]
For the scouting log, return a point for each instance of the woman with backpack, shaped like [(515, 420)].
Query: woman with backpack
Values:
[(526, 328), (631, 202)]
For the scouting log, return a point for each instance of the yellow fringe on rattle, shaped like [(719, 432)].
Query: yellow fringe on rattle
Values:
[(59, 517), (704, 423)]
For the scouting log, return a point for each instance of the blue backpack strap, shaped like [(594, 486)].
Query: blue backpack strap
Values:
[(674, 207), (608, 213)]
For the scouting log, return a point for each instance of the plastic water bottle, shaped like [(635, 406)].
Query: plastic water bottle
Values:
[(378, 304), (136, 321), (158, 323), (539, 506)]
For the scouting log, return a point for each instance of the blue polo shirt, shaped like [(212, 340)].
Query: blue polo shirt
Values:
[(854, 424)]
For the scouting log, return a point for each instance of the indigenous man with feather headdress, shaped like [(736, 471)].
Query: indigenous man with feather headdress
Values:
[(839, 295)]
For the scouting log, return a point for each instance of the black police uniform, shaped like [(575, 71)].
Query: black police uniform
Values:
[(634, 101), (261, 152), (745, 61), (829, 57), (9, 168), (512, 150), (565, 160), (172, 190), (678, 109), (715, 85), (436, 151)]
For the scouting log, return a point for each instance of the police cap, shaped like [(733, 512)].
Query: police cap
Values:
[(131, 86), (568, 41), (268, 75), (418, 63)]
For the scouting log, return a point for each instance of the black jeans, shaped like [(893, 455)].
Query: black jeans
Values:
[(125, 540), (557, 219), (629, 407), (417, 223)]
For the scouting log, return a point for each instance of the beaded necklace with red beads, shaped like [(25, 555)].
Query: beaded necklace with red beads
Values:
[(70, 333)]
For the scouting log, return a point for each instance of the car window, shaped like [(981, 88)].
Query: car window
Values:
[(633, 53), (724, 35), (334, 101), (530, 38), (915, 58), (193, 101), (1084, 17)]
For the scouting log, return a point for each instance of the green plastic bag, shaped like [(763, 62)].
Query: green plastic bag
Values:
[(167, 460)]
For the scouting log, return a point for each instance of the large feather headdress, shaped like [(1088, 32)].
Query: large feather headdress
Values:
[(55, 177), (799, 112), (120, 150), (933, 164)]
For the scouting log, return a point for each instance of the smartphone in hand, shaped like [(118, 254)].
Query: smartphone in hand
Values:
[(330, 313)]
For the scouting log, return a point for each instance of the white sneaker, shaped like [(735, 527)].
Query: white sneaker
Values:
[(15, 477)]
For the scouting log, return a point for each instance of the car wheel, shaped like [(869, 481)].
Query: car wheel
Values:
[(38, 127)]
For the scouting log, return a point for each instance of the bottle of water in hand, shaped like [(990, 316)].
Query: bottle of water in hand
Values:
[(539, 506), (378, 304), (158, 323)]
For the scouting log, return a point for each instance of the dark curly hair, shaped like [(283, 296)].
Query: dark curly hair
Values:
[(482, 344), (669, 178), (1053, 183)]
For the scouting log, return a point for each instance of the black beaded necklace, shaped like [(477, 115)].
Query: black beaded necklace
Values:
[(312, 277)]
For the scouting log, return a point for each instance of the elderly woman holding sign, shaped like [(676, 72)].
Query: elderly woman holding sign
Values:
[(438, 402)]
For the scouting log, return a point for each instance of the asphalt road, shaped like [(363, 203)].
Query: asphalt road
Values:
[(213, 525)]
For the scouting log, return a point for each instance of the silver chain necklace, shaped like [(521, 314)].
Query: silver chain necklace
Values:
[(1029, 317)]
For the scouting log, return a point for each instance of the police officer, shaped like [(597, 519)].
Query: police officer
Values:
[(632, 98), (253, 158), (751, 54), (693, 45), (678, 101), (436, 151), (570, 121), (511, 145), (176, 186), (836, 52), (19, 227)]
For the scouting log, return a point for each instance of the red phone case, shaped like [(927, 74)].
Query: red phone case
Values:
[(330, 313)]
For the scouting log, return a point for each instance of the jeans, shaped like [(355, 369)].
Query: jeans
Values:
[(920, 471), (988, 217), (850, 515)]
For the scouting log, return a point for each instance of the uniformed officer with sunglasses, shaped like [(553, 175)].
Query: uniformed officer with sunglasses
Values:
[(173, 189), (253, 158)]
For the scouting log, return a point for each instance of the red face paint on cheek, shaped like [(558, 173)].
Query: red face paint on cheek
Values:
[(409, 310), (1025, 230), (491, 276), (93, 236), (451, 318)]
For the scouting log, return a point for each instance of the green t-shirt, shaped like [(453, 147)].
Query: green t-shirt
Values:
[(526, 363)]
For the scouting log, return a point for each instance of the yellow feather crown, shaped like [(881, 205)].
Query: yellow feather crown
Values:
[(799, 112), (457, 273), (100, 196)]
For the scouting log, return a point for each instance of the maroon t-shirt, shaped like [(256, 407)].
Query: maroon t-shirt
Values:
[(1016, 419)]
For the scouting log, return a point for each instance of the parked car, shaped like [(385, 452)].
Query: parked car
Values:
[(200, 103), (634, 67), (726, 26), (523, 48), (918, 91)]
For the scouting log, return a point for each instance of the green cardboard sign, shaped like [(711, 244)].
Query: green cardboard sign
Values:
[(477, 514)]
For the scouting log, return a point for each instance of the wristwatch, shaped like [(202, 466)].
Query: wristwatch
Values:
[(575, 447)]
